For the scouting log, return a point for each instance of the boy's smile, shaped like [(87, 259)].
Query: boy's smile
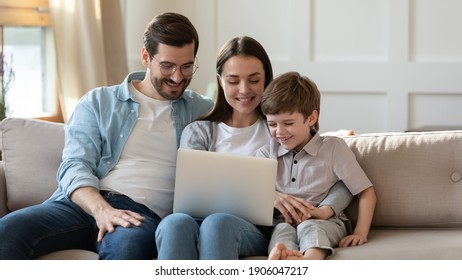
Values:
[(291, 129)]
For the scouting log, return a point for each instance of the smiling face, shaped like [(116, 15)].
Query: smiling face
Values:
[(291, 129), (243, 82), (170, 86)]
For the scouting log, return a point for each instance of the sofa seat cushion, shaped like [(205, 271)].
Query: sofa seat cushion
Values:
[(72, 254), (406, 244)]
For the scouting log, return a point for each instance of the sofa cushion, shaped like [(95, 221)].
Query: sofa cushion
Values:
[(406, 244), (417, 177), (31, 153), (71, 254)]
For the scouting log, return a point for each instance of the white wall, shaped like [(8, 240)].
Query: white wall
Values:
[(138, 13), (381, 65)]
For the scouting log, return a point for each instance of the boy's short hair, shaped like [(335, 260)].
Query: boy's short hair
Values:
[(171, 29), (291, 92)]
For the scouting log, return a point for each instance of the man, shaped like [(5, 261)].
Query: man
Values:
[(116, 180)]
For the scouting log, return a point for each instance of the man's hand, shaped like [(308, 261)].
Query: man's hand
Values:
[(106, 216)]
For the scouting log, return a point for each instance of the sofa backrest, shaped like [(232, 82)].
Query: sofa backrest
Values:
[(417, 177), (31, 154)]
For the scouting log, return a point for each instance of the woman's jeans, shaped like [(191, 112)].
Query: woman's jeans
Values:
[(218, 237), (34, 231)]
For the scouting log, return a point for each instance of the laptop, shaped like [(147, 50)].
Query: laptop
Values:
[(212, 182)]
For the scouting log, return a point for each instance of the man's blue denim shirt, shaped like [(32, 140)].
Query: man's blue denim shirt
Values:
[(99, 127)]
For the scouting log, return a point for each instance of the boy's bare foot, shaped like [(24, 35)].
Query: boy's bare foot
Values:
[(280, 252), (276, 252)]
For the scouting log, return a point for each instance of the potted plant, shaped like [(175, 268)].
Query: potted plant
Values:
[(6, 81)]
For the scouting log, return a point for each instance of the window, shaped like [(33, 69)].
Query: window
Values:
[(28, 49)]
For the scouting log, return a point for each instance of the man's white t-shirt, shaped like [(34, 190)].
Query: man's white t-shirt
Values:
[(146, 169)]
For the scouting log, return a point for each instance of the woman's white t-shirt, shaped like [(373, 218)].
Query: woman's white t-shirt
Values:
[(242, 141)]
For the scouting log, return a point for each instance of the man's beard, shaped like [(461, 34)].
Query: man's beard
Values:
[(171, 95)]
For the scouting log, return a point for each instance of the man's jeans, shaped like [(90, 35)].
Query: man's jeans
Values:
[(218, 237), (33, 231)]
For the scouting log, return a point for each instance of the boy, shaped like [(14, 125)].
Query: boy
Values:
[(309, 164)]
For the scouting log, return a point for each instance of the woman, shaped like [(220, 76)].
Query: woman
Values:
[(235, 125)]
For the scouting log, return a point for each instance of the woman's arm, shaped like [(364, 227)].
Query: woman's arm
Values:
[(198, 135), (338, 198)]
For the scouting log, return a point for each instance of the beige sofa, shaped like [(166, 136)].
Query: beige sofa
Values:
[(417, 176)]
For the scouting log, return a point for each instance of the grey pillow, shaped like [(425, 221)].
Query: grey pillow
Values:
[(31, 153), (415, 176)]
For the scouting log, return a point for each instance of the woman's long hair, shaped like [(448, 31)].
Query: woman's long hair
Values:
[(239, 46)]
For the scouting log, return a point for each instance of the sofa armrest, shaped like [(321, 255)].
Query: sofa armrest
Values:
[(3, 209)]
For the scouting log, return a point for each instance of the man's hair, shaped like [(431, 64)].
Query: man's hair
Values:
[(289, 93), (170, 29), (239, 46)]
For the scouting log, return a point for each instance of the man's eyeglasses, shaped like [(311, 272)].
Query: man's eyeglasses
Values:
[(167, 68)]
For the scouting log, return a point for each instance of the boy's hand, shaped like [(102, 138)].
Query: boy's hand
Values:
[(294, 209), (352, 240)]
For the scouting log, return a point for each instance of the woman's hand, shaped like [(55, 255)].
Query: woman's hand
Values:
[(294, 209)]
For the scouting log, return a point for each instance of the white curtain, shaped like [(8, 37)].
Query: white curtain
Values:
[(90, 47)]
